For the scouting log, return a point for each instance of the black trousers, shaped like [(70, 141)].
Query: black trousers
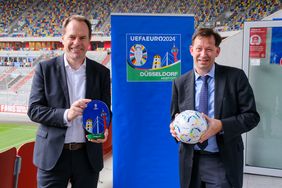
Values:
[(73, 166)]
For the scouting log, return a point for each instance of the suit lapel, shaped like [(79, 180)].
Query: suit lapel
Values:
[(190, 90), (62, 78), (220, 81), (91, 77)]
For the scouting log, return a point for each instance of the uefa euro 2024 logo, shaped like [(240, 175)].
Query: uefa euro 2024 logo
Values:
[(153, 57)]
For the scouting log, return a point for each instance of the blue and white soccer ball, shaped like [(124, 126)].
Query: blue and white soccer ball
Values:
[(189, 126)]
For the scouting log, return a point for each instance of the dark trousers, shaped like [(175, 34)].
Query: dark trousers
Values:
[(208, 172), (72, 166)]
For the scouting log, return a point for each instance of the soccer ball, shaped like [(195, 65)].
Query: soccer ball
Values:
[(189, 126)]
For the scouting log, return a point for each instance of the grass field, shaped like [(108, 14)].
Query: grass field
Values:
[(15, 134)]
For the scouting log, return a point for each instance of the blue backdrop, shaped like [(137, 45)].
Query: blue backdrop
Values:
[(148, 51), (276, 53)]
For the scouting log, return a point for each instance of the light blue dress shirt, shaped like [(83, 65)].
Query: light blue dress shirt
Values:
[(212, 144)]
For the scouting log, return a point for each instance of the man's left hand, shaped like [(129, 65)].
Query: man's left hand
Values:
[(214, 127), (100, 141)]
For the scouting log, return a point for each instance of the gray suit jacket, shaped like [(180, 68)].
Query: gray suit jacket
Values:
[(234, 105), (49, 98)]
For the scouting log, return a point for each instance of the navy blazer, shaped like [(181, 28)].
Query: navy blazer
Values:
[(49, 98), (234, 105)]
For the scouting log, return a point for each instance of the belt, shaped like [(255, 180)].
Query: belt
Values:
[(202, 152), (74, 146)]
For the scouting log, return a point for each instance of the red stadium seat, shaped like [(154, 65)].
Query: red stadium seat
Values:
[(27, 175), (7, 164), (107, 146)]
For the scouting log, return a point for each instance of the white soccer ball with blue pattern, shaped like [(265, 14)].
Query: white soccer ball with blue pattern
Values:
[(189, 126)]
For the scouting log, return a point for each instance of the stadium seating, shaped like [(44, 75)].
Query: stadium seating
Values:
[(17, 168), (27, 175), (7, 164), (17, 16)]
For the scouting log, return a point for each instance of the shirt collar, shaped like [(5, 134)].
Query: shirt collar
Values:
[(67, 65), (210, 73)]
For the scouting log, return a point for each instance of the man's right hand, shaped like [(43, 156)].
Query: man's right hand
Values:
[(77, 108), (172, 131)]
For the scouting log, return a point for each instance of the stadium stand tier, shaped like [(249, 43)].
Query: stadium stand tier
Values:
[(42, 18)]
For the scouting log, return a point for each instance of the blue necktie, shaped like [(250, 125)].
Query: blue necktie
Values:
[(203, 104)]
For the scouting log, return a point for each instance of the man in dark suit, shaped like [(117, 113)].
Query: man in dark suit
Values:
[(217, 160), (60, 91)]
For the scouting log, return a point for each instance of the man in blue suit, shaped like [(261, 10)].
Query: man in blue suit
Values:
[(217, 162), (61, 89)]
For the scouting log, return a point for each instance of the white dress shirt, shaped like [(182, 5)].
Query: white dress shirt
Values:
[(76, 80)]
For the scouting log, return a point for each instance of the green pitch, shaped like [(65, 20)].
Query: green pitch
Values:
[(15, 134)]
